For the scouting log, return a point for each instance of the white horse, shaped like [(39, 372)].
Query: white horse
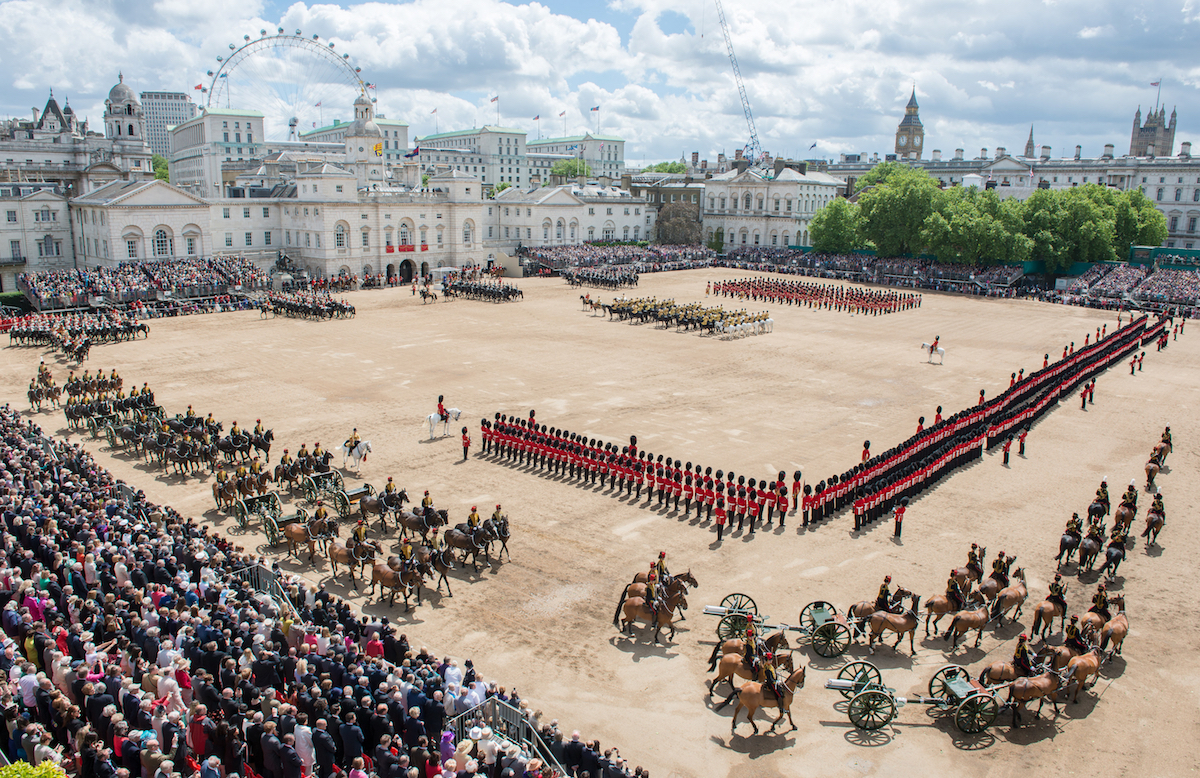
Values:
[(941, 352), (358, 453), (452, 414)]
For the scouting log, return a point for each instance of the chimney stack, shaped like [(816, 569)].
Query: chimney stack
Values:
[(1078, 152), (1000, 152), (695, 159), (1185, 149), (983, 153), (958, 154), (1045, 152), (1108, 151), (937, 155), (737, 154)]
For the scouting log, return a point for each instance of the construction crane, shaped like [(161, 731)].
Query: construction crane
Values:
[(754, 147)]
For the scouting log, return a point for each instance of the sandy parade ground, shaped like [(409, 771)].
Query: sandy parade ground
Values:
[(802, 397)]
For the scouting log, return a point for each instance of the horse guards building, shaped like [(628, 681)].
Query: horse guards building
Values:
[(355, 198)]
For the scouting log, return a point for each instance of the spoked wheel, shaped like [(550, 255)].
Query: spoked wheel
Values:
[(871, 709), (342, 503), (732, 627), (336, 478), (808, 621), (272, 530), (831, 639), (863, 674), (977, 712), (310, 489), (241, 513), (939, 684), (739, 602)]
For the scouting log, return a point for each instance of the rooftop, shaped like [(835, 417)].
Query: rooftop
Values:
[(575, 139), (475, 131)]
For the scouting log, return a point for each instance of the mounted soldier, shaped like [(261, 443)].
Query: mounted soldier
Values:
[(1100, 602), (353, 440), (1058, 592), (974, 561), (317, 451), (883, 600), (321, 513), (1000, 569), (1023, 657), (954, 593), (473, 521), (189, 416), (286, 459), (660, 568), (496, 514), (1074, 526), (255, 466), (442, 412), (1073, 639), (1120, 534), (259, 429), (390, 489), (654, 595), (234, 431), (771, 676)]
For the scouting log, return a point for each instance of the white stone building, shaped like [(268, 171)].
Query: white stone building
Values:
[(604, 154), (566, 215), (204, 149), (35, 232), (136, 221), (754, 208)]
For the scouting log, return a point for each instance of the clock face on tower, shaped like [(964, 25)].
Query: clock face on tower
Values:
[(917, 141), (903, 140)]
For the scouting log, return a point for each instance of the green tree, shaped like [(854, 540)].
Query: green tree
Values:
[(425, 179), (894, 202), (161, 169), (501, 187), (667, 167), (571, 168), (678, 224), (1043, 227), (718, 240), (1139, 223), (836, 228)]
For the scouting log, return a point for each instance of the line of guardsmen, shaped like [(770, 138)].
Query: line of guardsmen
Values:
[(630, 470), (829, 296)]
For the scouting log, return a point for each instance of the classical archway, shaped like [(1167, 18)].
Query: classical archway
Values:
[(406, 271)]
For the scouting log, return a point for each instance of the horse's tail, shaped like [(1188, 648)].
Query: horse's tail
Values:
[(620, 604), (716, 654), (983, 677), (1037, 620)]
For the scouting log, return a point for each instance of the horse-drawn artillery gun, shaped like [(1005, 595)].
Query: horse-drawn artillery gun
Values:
[(827, 631), (269, 508), (319, 485), (873, 705), (345, 499)]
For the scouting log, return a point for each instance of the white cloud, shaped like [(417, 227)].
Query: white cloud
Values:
[(839, 72)]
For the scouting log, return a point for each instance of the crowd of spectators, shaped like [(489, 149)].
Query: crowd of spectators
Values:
[(135, 646), (1180, 287), (133, 281), (1120, 280), (1085, 282), (641, 259)]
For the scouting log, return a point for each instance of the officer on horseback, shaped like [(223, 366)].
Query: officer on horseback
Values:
[(1157, 507), (255, 466), (933, 347), (1166, 437), (1074, 526), (1120, 534), (473, 521), (1000, 569), (222, 476), (406, 554), (443, 414), (1074, 639), (496, 514), (190, 413), (353, 441), (771, 676), (660, 568), (391, 486), (259, 429), (234, 431), (321, 513), (1023, 657), (1100, 602), (752, 646), (317, 451), (975, 561), (286, 459), (1058, 592), (954, 592), (883, 600), (653, 595)]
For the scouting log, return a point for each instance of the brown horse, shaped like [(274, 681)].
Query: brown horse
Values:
[(775, 643), (1094, 622), (225, 494), (1124, 515), (989, 587), (938, 605), (1154, 525), (392, 578), (350, 554), (678, 584), (1152, 470), (421, 525), (865, 608), (1082, 667), (308, 533), (472, 542), (1009, 597), (1023, 690), (1162, 449), (1044, 614), (1115, 630), (636, 609), (900, 623), (735, 665), (290, 473), (965, 574), (971, 618), (440, 562), (753, 696), (382, 504), (640, 578)]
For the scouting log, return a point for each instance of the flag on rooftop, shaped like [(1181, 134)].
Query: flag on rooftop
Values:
[(537, 118), (198, 86), (564, 113), (413, 153), (318, 105), (1155, 83), (596, 108), (433, 111), (494, 99)]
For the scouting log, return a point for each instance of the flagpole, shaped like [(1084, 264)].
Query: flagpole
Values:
[(1158, 94), (497, 110)]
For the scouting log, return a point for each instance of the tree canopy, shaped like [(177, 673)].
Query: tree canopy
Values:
[(667, 167), (571, 168), (161, 169), (902, 210)]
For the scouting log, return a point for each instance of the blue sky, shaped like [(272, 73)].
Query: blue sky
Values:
[(834, 74)]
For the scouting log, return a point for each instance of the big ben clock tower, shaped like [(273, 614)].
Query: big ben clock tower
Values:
[(910, 135)]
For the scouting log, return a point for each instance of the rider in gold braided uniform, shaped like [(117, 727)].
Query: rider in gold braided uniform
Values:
[(975, 561), (259, 429), (353, 440), (1074, 526), (234, 431), (1157, 507), (241, 472), (1100, 602), (406, 554), (1023, 657), (955, 593), (1058, 592), (391, 486), (321, 513), (1000, 569), (255, 466), (317, 451), (496, 515), (473, 521), (286, 459), (1120, 534), (1073, 638)]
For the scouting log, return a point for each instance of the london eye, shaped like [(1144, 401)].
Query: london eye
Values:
[(296, 82)]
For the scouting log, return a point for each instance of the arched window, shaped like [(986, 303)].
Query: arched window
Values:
[(746, 200), (1178, 195), (404, 235), (760, 202), (722, 201), (339, 237), (776, 205), (785, 239), (162, 244), (131, 130), (129, 112), (573, 225), (467, 234), (558, 230)]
